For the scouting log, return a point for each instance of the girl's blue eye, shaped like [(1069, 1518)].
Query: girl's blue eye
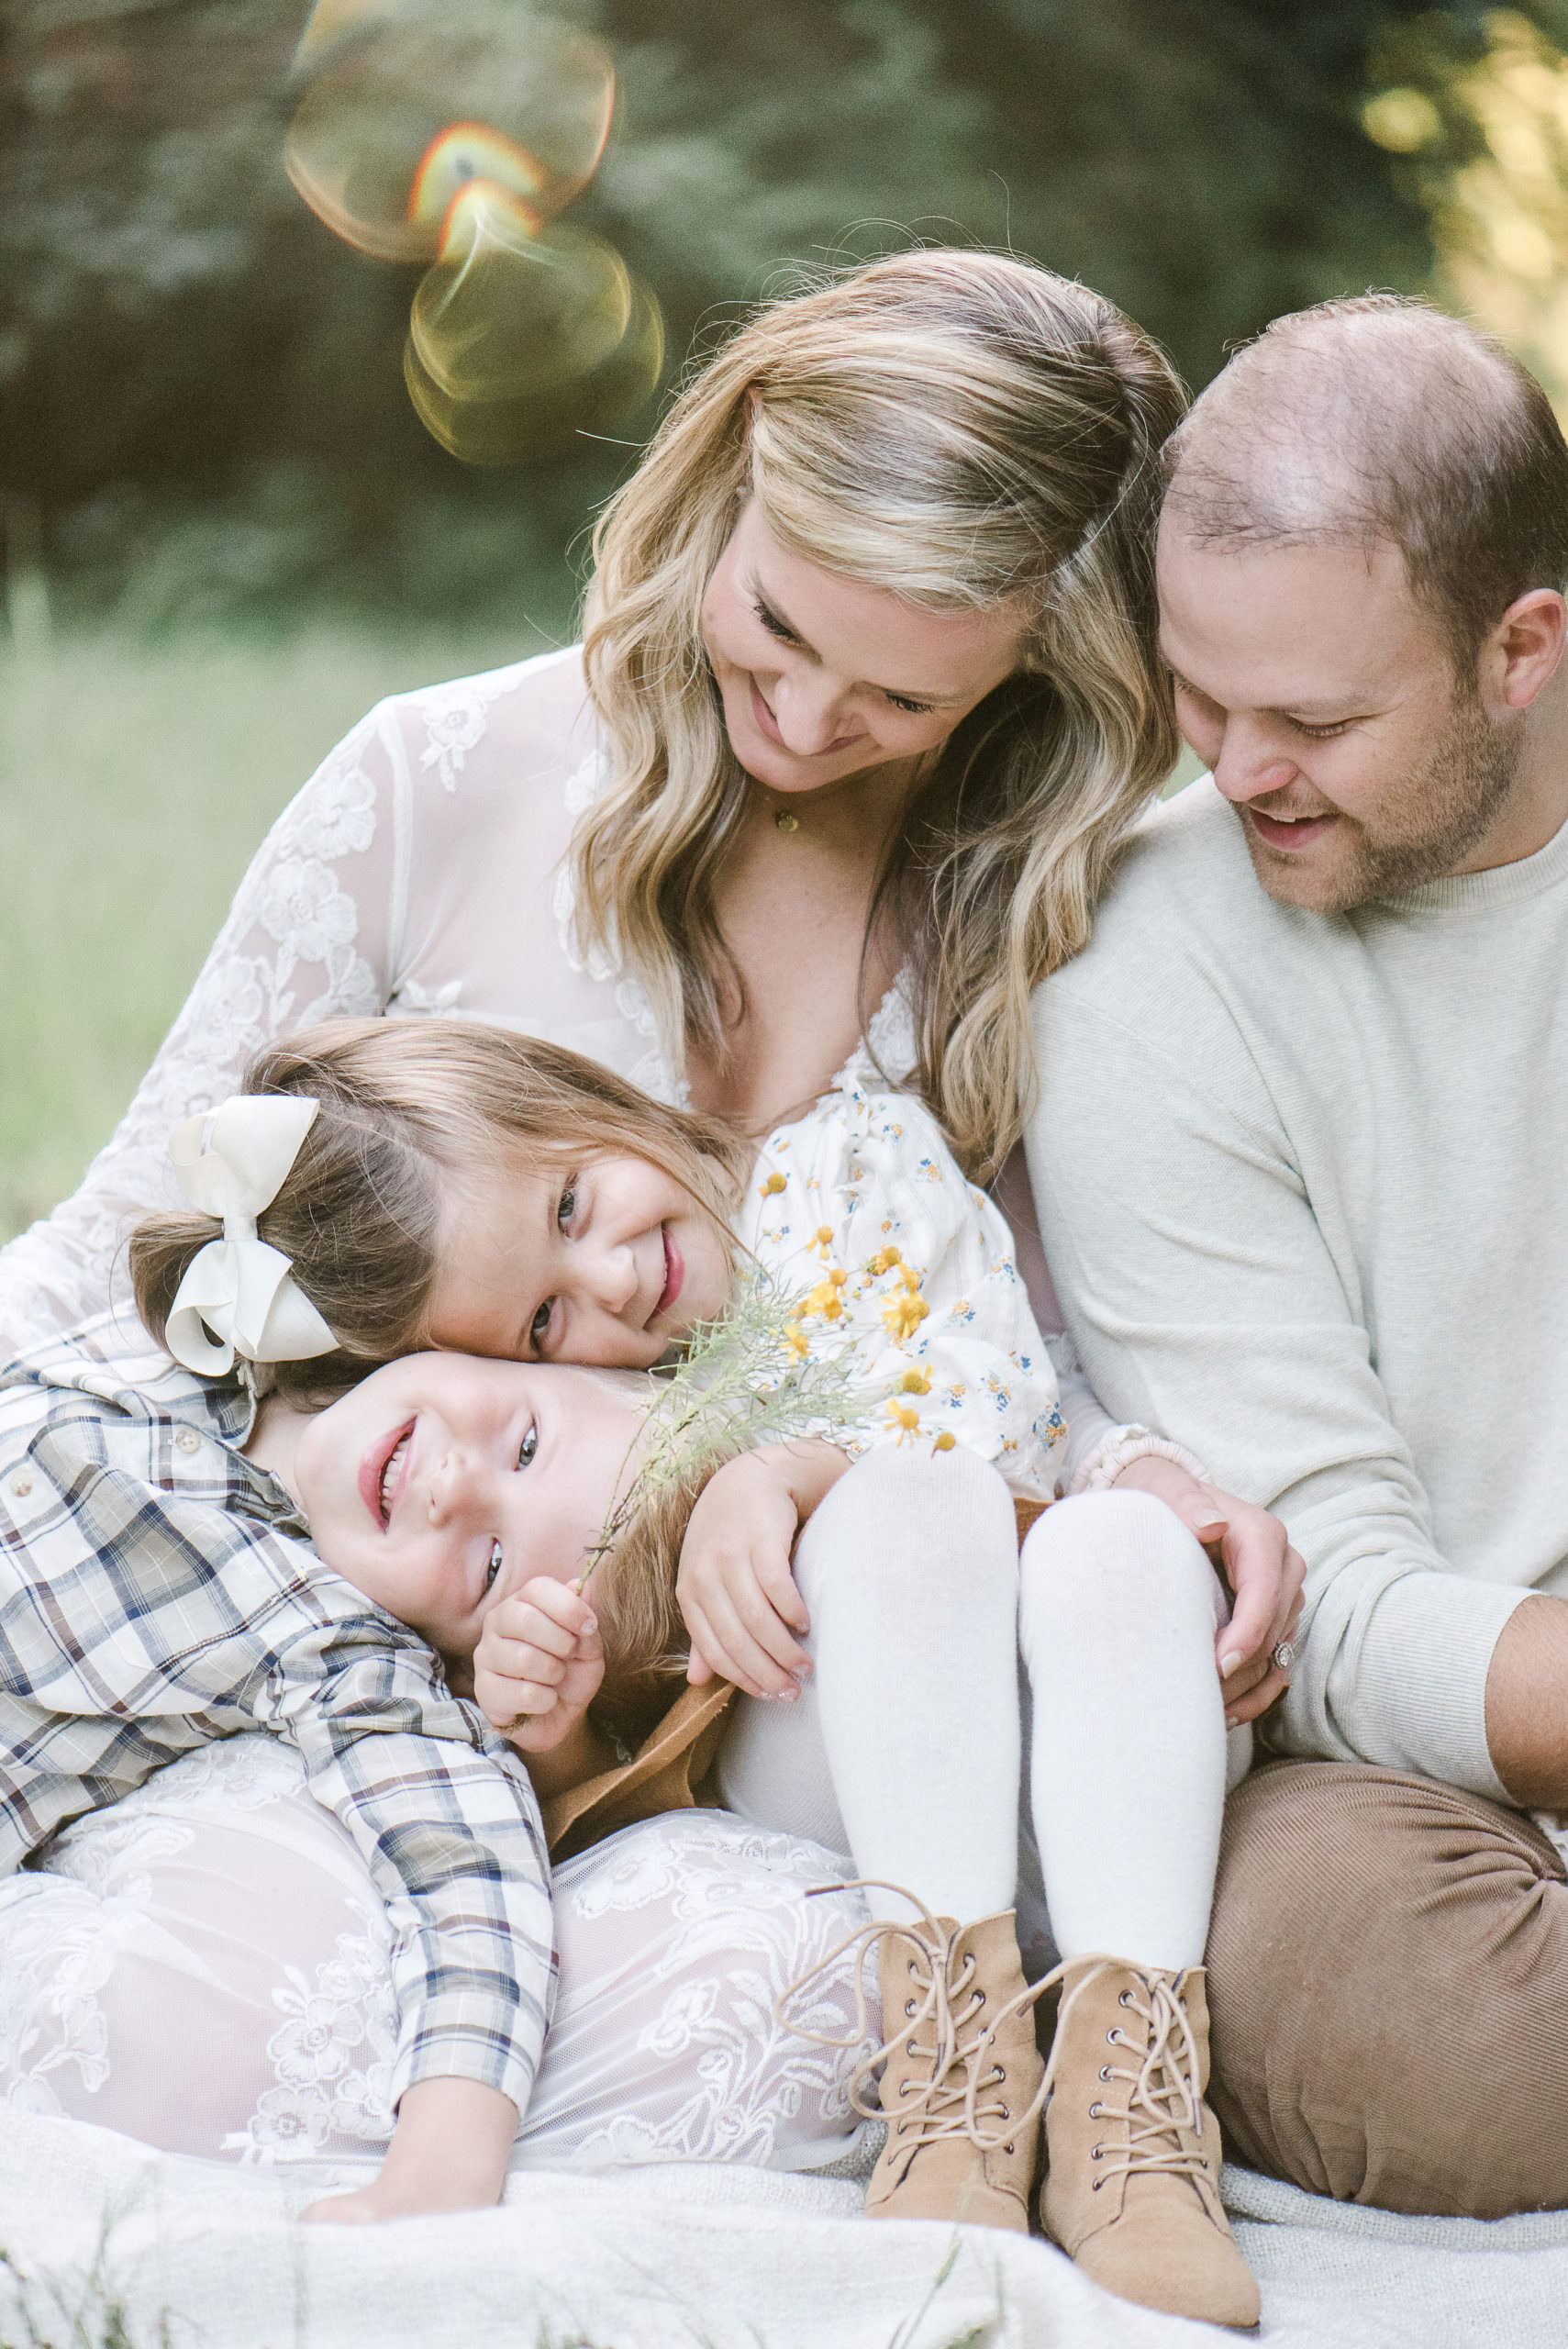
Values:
[(538, 1328), (494, 1566), (528, 1448), (568, 1207)]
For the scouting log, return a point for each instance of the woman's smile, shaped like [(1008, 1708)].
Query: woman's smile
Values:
[(768, 726)]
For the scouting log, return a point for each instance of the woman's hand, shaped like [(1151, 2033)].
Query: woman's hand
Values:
[(449, 2151), (734, 1588), (1265, 1573), (538, 1664)]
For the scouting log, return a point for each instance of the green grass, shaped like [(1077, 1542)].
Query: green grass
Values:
[(136, 779)]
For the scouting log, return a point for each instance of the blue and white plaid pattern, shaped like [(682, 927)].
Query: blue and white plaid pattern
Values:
[(157, 1592)]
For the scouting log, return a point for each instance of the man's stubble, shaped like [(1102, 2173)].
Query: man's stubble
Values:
[(1429, 822)]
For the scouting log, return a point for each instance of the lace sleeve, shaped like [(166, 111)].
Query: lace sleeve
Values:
[(310, 935)]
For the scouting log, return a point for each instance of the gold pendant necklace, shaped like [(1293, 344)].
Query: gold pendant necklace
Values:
[(784, 822)]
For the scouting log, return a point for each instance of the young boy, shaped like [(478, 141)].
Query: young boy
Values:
[(157, 1592)]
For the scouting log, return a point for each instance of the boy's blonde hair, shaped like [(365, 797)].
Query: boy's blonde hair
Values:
[(962, 428), (408, 1109)]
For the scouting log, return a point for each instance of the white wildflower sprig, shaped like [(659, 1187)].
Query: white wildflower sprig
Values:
[(747, 1377)]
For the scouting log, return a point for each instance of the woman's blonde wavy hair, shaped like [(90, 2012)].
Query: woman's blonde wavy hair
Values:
[(962, 428)]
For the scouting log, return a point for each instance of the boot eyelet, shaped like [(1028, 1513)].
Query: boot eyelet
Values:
[(1096, 2109), (999, 2072), (1104, 2071), (1113, 2037), (1124, 1999), (910, 2048), (910, 2007), (1005, 2115), (1095, 2152), (1096, 2185), (1010, 2149)]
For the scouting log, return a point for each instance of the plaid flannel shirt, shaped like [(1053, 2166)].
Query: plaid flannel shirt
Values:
[(157, 1592)]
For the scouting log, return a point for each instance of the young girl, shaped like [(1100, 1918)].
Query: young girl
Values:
[(528, 1203)]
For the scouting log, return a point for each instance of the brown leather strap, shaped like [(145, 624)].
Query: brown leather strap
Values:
[(662, 1775)]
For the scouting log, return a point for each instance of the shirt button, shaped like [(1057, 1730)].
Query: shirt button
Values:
[(22, 1481), (188, 1440)]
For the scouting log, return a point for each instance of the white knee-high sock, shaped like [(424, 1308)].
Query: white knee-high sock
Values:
[(1126, 1772), (909, 1571)]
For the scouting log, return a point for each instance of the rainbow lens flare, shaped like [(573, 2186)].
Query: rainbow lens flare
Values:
[(454, 132), (400, 102)]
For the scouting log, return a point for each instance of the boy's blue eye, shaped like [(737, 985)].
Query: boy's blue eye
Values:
[(568, 1206), (528, 1448), (538, 1328), (494, 1566)]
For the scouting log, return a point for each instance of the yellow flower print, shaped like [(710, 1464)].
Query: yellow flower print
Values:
[(823, 1239), (902, 1316), (771, 1187), (904, 1417), (914, 1382), (823, 1301), (883, 1260), (946, 1441)]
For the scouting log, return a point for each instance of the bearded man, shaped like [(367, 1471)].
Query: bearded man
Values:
[(1300, 1156)]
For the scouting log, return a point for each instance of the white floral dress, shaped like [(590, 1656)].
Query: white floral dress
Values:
[(860, 1210)]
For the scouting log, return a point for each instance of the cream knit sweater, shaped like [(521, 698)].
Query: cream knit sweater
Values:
[(1300, 1180)]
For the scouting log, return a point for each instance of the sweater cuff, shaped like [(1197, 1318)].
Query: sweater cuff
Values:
[(1418, 1701)]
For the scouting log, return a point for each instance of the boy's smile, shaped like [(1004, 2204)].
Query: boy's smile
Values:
[(441, 1483)]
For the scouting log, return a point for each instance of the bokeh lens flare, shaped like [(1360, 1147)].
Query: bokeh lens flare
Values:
[(512, 314), (400, 102), (454, 132), (500, 431)]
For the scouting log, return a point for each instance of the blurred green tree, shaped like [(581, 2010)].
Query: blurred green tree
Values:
[(200, 389)]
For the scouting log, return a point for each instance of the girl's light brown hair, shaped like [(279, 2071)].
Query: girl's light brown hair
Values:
[(406, 1109), (963, 428)]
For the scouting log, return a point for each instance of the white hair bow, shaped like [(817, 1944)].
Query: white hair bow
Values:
[(238, 1297)]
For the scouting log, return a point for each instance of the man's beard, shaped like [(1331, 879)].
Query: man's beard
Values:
[(1429, 822)]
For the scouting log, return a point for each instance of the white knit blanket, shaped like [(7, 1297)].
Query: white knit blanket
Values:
[(97, 2230)]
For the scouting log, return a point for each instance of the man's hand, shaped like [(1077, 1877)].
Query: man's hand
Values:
[(449, 2151), (734, 1588), (1265, 1573), (538, 1664)]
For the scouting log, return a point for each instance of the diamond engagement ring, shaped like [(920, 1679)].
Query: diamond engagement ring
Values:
[(1283, 1656)]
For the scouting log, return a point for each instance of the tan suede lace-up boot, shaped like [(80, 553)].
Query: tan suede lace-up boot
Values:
[(1132, 2185), (962, 2081)]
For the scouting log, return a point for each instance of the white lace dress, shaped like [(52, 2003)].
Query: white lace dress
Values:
[(204, 1965)]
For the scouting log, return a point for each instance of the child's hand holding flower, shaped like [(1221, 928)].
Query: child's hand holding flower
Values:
[(538, 1664)]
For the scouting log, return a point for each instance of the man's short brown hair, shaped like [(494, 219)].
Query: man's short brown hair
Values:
[(1384, 419)]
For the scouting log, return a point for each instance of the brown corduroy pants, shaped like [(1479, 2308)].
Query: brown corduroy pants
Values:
[(1388, 1989)]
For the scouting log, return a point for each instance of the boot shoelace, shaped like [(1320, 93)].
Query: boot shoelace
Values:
[(964, 2091), (1165, 2095)]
